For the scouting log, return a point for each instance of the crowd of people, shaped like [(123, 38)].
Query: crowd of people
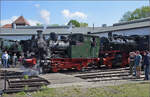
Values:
[(137, 61), (7, 60)]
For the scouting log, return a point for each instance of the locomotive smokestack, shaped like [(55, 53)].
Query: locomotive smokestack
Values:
[(39, 33)]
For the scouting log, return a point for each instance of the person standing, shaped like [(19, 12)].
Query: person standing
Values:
[(5, 58), (14, 60), (131, 61), (146, 62), (149, 60), (138, 61), (92, 48), (0, 62)]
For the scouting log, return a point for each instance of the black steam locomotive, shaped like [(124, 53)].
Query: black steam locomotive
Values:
[(115, 49)]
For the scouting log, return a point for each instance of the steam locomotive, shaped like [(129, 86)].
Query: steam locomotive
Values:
[(60, 52), (115, 49), (79, 51)]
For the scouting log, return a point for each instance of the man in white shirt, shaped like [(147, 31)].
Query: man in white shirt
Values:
[(5, 58)]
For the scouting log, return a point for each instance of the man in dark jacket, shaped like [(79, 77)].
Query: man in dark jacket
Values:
[(147, 64)]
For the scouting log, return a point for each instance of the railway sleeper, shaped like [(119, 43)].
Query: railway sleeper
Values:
[(102, 73), (102, 76), (105, 70), (27, 84), (16, 76), (9, 91), (111, 79), (11, 73), (29, 80)]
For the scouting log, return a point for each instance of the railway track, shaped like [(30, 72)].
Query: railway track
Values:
[(17, 82), (106, 75), (92, 70)]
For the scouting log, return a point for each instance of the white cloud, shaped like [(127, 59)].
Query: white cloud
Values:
[(8, 21), (37, 5), (33, 22), (68, 14), (45, 15)]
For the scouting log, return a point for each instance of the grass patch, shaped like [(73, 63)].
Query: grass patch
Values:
[(125, 90)]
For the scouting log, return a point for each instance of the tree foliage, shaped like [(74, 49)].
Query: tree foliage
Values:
[(55, 25), (83, 24), (74, 22), (38, 24), (138, 13), (78, 24)]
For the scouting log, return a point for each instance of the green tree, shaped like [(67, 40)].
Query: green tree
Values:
[(55, 25), (138, 13), (74, 22), (38, 24), (83, 24)]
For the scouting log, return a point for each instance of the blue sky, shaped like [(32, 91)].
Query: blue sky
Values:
[(60, 12)]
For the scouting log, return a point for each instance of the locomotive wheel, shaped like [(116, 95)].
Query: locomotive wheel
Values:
[(93, 65), (54, 69), (83, 69), (99, 66), (79, 68), (100, 62), (43, 70)]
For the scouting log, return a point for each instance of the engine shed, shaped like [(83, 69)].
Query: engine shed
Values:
[(139, 27)]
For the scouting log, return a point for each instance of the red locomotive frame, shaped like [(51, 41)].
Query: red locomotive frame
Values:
[(108, 60), (57, 64)]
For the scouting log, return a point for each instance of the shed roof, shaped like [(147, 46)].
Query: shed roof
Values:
[(21, 20), (7, 26), (140, 23), (65, 30)]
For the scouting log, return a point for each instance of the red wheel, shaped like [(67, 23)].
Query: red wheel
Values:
[(55, 70), (79, 68)]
